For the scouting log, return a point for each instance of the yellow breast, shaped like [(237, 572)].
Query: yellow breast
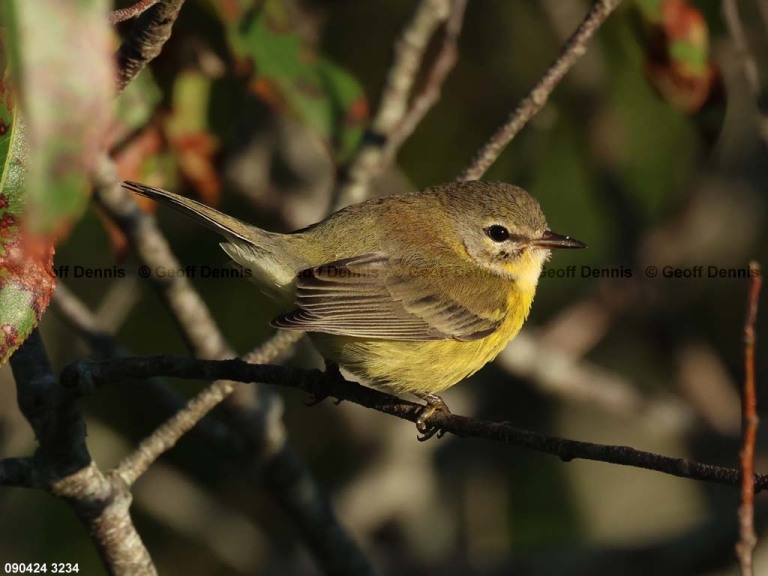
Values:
[(422, 367)]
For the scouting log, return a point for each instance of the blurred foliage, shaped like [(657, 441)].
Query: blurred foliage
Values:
[(46, 155), (254, 106)]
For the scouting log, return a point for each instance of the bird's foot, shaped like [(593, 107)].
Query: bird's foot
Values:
[(331, 374), (434, 404)]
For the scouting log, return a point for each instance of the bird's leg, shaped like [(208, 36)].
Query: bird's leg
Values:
[(331, 373), (434, 404)]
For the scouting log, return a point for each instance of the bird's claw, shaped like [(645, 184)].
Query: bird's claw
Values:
[(427, 430), (330, 374)]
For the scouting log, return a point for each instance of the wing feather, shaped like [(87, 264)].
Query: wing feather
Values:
[(370, 297)]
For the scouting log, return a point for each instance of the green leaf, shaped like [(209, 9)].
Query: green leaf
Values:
[(56, 66), (289, 75), (62, 69), (26, 261)]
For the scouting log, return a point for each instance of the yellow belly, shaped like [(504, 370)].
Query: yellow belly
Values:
[(416, 367)]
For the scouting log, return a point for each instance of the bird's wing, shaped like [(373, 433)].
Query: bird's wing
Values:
[(370, 297)]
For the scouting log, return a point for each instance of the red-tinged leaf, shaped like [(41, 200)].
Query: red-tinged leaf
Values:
[(26, 259), (56, 67), (679, 62), (188, 136)]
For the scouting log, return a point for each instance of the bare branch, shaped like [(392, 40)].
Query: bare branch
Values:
[(735, 27), (53, 413), (430, 94), (409, 53), (145, 39), (197, 325), (85, 375), (164, 437), (123, 14), (63, 465), (747, 537), (255, 438), (537, 98), (20, 472)]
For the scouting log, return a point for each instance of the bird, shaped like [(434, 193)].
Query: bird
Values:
[(409, 293)]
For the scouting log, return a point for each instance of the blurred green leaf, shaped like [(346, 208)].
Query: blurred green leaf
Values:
[(61, 66), (58, 68), (26, 263), (291, 77)]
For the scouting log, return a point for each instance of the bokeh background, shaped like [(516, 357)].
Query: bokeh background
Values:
[(646, 174)]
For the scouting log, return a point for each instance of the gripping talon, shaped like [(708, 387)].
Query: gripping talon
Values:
[(331, 373), (434, 404)]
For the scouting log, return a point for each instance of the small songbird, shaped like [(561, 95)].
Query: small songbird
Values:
[(412, 293)]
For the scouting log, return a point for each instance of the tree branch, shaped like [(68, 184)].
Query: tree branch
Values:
[(145, 39), (256, 440), (86, 375), (409, 53), (537, 98), (20, 472), (63, 465), (735, 26), (123, 14), (747, 537), (430, 94)]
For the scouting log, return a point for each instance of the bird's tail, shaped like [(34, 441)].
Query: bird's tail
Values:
[(274, 259), (227, 226)]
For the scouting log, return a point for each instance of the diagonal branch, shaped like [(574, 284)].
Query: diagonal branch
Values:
[(430, 94), (123, 14), (145, 39), (165, 436), (86, 375), (735, 26), (538, 96), (409, 53)]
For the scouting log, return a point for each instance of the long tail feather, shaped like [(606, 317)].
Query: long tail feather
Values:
[(213, 219)]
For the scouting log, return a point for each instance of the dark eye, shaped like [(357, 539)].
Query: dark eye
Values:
[(497, 233)]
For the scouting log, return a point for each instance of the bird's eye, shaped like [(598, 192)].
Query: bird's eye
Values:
[(497, 233)]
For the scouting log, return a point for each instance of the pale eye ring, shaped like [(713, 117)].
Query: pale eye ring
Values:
[(497, 233)]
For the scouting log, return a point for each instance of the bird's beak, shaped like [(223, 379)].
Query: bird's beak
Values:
[(551, 240)]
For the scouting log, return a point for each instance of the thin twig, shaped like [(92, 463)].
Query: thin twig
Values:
[(537, 98), (86, 375), (430, 94), (123, 14), (197, 325), (165, 436), (145, 39), (409, 53), (748, 61), (747, 537)]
